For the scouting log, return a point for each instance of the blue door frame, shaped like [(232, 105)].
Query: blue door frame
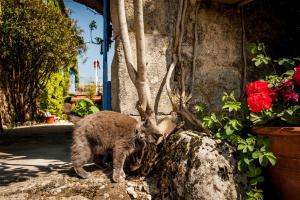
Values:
[(106, 96)]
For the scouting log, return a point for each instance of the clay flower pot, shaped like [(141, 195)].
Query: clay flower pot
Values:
[(285, 175), (50, 119)]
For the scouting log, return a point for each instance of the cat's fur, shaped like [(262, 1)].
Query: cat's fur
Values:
[(107, 131)]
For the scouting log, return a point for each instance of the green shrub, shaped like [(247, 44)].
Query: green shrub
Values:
[(232, 125), (52, 99), (85, 107)]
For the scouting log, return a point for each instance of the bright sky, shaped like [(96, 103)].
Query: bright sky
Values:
[(84, 16)]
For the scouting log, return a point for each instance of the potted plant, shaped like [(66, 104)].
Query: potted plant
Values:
[(275, 112), (264, 122), (274, 106)]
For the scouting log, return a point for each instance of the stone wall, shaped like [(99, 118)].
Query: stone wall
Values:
[(124, 95), (217, 63), (219, 60)]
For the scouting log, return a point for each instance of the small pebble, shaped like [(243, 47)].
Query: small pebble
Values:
[(130, 191), (106, 195), (149, 197)]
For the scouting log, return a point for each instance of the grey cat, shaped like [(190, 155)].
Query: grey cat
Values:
[(107, 131)]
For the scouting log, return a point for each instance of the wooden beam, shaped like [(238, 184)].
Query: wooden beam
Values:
[(93, 4), (244, 2), (234, 2)]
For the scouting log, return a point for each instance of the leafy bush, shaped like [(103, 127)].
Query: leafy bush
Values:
[(233, 126), (274, 100), (85, 107), (36, 40), (52, 98)]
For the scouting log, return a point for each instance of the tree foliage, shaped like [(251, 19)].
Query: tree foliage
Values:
[(36, 40), (52, 98)]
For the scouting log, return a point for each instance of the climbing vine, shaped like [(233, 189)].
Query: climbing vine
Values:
[(180, 94)]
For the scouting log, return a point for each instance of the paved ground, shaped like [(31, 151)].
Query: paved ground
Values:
[(35, 164), (29, 151)]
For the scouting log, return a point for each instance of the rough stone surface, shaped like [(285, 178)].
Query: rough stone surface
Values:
[(61, 186), (212, 70), (196, 166), (218, 60), (35, 165), (124, 95)]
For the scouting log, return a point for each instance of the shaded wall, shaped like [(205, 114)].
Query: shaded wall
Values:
[(277, 24)]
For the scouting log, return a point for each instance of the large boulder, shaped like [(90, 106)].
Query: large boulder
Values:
[(196, 166)]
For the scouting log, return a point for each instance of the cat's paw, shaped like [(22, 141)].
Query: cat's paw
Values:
[(118, 177), (123, 174)]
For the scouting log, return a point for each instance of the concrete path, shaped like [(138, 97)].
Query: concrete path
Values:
[(30, 151)]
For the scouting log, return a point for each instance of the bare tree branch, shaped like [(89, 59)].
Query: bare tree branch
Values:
[(142, 82), (126, 41)]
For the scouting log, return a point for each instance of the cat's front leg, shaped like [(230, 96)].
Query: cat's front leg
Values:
[(119, 157)]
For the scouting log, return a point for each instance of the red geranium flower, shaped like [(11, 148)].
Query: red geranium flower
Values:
[(259, 101), (296, 75), (288, 83), (290, 96), (257, 87), (273, 94)]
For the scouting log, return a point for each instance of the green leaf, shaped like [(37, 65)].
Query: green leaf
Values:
[(252, 48), (289, 73), (251, 140), (235, 124), (247, 160), (94, 109), (292, 115), (253, 171), (285, 61), (256, 154), (271, 157), (82, 103), (261, 46), (263, 160), (241, 147), (255, 181), (257, 63)]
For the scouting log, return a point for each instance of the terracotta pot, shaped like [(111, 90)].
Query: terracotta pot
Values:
[(285, 175), (50, 119)]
